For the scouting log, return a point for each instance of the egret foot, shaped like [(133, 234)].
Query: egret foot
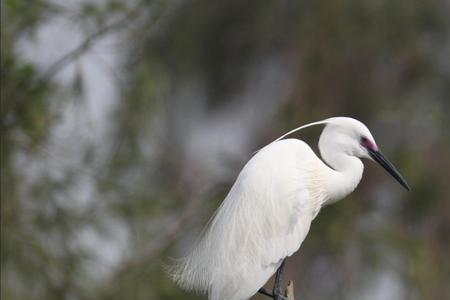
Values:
[(266, 293), (277, 293)]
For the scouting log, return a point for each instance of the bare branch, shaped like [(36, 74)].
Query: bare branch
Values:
[(75, 53), (290, 290)]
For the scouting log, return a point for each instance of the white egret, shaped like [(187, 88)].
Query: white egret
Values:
[(267, 213)]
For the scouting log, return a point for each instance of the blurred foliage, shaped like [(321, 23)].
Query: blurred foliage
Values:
[(383, 62)]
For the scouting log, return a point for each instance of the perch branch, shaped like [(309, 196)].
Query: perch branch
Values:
[(289, 293)]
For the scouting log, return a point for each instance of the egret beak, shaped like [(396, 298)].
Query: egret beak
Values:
[(388, 166)]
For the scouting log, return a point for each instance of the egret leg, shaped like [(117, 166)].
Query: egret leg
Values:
[(277, 292)]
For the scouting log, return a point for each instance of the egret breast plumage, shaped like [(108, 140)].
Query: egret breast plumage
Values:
[(268, 212)]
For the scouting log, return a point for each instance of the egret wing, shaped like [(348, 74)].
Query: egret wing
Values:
[(264, 218)]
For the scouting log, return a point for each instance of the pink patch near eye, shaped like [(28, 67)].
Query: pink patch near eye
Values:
[(368, 144)]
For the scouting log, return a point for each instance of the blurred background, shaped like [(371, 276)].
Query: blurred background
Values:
[(124, 124)]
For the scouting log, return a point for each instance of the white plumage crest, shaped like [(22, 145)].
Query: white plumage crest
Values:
[(302, 127), (343, 122), (297, 129)]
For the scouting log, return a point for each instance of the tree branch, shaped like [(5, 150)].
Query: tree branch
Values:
[(79, 50), (290, 290)]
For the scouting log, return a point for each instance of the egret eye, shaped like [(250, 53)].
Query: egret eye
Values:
[(364, 140)]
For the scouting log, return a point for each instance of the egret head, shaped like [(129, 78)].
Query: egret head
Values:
[(350, 136), (347, 135)]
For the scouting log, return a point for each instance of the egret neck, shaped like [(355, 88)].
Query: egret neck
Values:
[(343, 176)]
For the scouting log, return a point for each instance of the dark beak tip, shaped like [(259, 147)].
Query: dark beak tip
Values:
[(404, 184), (389, 167), (408, 188)]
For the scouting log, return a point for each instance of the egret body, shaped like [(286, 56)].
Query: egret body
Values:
[(268, 212)]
